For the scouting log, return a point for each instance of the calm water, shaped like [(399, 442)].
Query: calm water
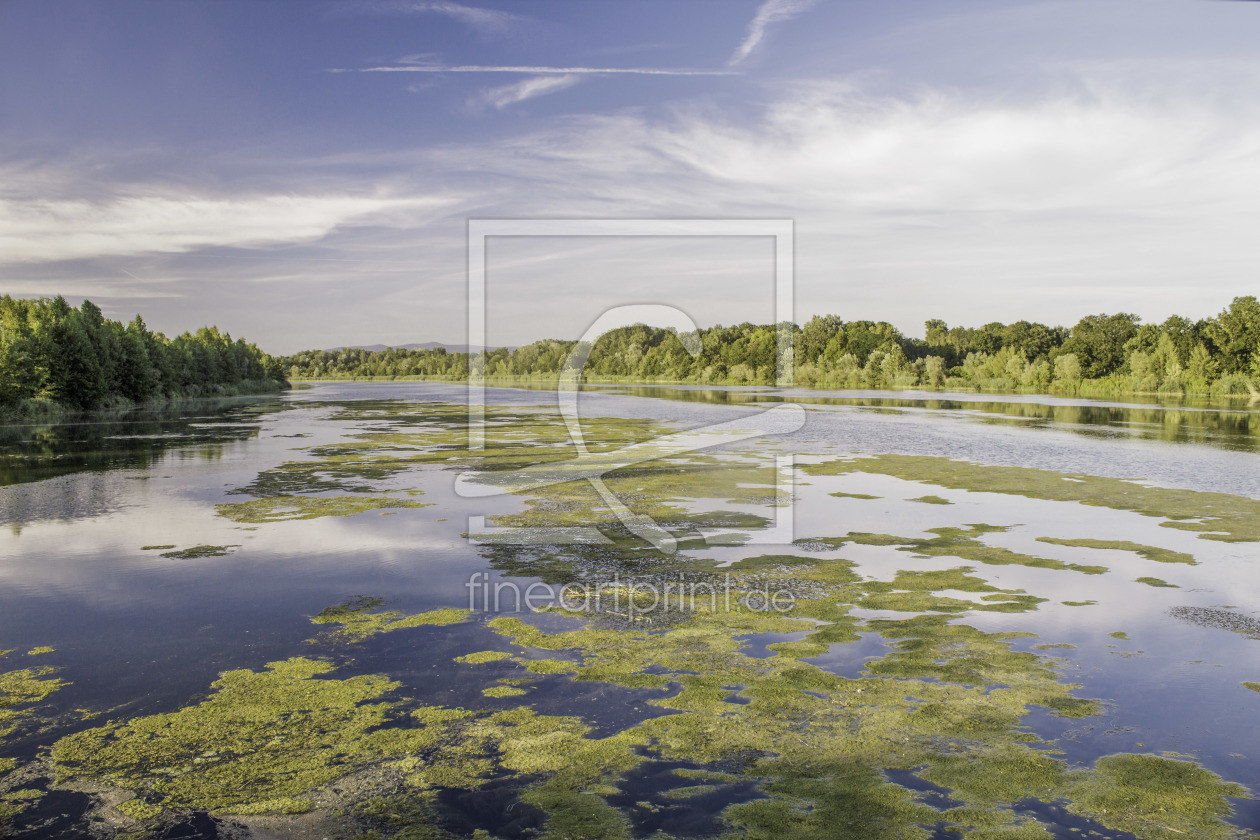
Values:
[(136, 632)]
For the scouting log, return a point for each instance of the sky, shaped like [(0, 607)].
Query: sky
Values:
[(302, 174)]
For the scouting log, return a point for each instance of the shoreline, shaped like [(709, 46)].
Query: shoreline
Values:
[(39, 411), (1088, 389)]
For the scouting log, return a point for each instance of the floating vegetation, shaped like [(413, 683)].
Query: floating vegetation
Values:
[(483, 656), (1079, 603), (358, 619), (260, 743), (41, 650), (933, 500), (1218, 619), (1119, 634), (1157, 797), (1215, 516), (1252, 685), (853, 496), (199, 551), (964, 543), (156, 547), (1156, 582), (915, 592), (139, 810), (286, 508), (1150, 552), (504, 691), (21, 689), (20, 692)]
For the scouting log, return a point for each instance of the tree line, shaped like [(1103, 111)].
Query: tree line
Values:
[(1116, 353), (54, 356)]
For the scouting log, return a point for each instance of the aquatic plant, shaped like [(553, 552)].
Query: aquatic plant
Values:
[(1213, 516), (261, 742), (359, 619)]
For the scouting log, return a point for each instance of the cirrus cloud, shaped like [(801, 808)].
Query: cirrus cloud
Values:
[(36, 230)]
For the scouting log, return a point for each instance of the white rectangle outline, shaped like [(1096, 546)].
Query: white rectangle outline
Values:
[(480, 229)]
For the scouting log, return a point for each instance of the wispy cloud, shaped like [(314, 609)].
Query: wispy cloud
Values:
[(771, 11), (486, 21), (501, 97), (44, 231), (535, 70)]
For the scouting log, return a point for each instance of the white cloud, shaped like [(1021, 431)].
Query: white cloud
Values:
[(1120, 196), (425, 66), (771, 11), (42, 231), (501, 97), (488, 21)]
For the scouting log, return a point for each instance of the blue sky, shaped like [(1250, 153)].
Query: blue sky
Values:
[(301, 173)]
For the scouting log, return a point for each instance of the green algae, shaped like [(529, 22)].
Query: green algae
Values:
[(933, 500), (691, 791), (41, 650), (1156, 582), (522, 448), (288, 508), (818, 742), (259, 743), (1252, 685), (1079, 603), (22, 689), (914, 592), (156, 547), (359, 620), (1119, 634), (1156, 797), (20, 693), (483, 656), (503, 691), (1214, 516), (853, 496), (964, 543), (199, 551), (1150, 552), (139, 810)]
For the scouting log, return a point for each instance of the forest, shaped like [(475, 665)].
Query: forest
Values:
[(1100, 354), (54, 358)]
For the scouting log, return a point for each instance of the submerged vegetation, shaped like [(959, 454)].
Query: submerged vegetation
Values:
[(55, 358), (1101, 354)]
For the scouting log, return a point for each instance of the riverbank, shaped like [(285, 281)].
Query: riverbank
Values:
[(43, 410), (1233, 389)]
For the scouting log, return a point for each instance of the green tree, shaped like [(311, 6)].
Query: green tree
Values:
[(1098, 342), (1067, 370), (1236, 332)]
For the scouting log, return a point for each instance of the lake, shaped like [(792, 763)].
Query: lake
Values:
[(689, 612)]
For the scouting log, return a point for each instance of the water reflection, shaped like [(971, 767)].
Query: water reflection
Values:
[(1222, 423), (127, 440)]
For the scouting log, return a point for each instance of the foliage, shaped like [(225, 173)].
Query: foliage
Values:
[(53, 356), (1110, 353)]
